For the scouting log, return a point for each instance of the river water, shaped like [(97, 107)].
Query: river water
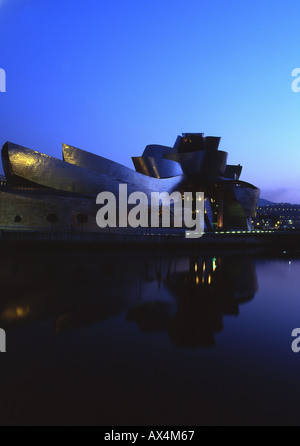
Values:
[(149, 337)]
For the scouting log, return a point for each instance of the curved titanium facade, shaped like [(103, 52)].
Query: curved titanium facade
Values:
[(155, 168), (52, 173), (193, 164)]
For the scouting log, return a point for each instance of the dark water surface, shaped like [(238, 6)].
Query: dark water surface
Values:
[(149, 337)]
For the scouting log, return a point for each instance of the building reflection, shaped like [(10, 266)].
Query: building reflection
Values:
[(205, 290), (185, 295)]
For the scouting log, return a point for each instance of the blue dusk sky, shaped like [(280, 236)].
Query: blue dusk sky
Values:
[(113, 76)]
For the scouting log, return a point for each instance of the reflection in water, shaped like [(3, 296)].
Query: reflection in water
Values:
[(205, 290), (185, 295)]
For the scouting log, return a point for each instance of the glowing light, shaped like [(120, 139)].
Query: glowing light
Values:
[(13, 313), (214, 264)]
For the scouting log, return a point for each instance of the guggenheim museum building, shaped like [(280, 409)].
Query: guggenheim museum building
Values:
[(42, 193)]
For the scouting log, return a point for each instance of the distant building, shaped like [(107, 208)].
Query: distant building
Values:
[(283, 216), (42, 193)]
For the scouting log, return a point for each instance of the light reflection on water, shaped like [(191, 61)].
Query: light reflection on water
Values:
[(149, 337)]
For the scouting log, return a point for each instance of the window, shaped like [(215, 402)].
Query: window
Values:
[(52, 218), (82, 218)]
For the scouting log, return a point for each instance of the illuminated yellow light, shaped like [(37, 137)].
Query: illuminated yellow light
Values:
[(197, 280), (20, 312), (209, 280), (13, 313), (196, 267), (204, 267)]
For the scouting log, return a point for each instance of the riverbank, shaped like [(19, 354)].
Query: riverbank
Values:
[(284, 240)]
